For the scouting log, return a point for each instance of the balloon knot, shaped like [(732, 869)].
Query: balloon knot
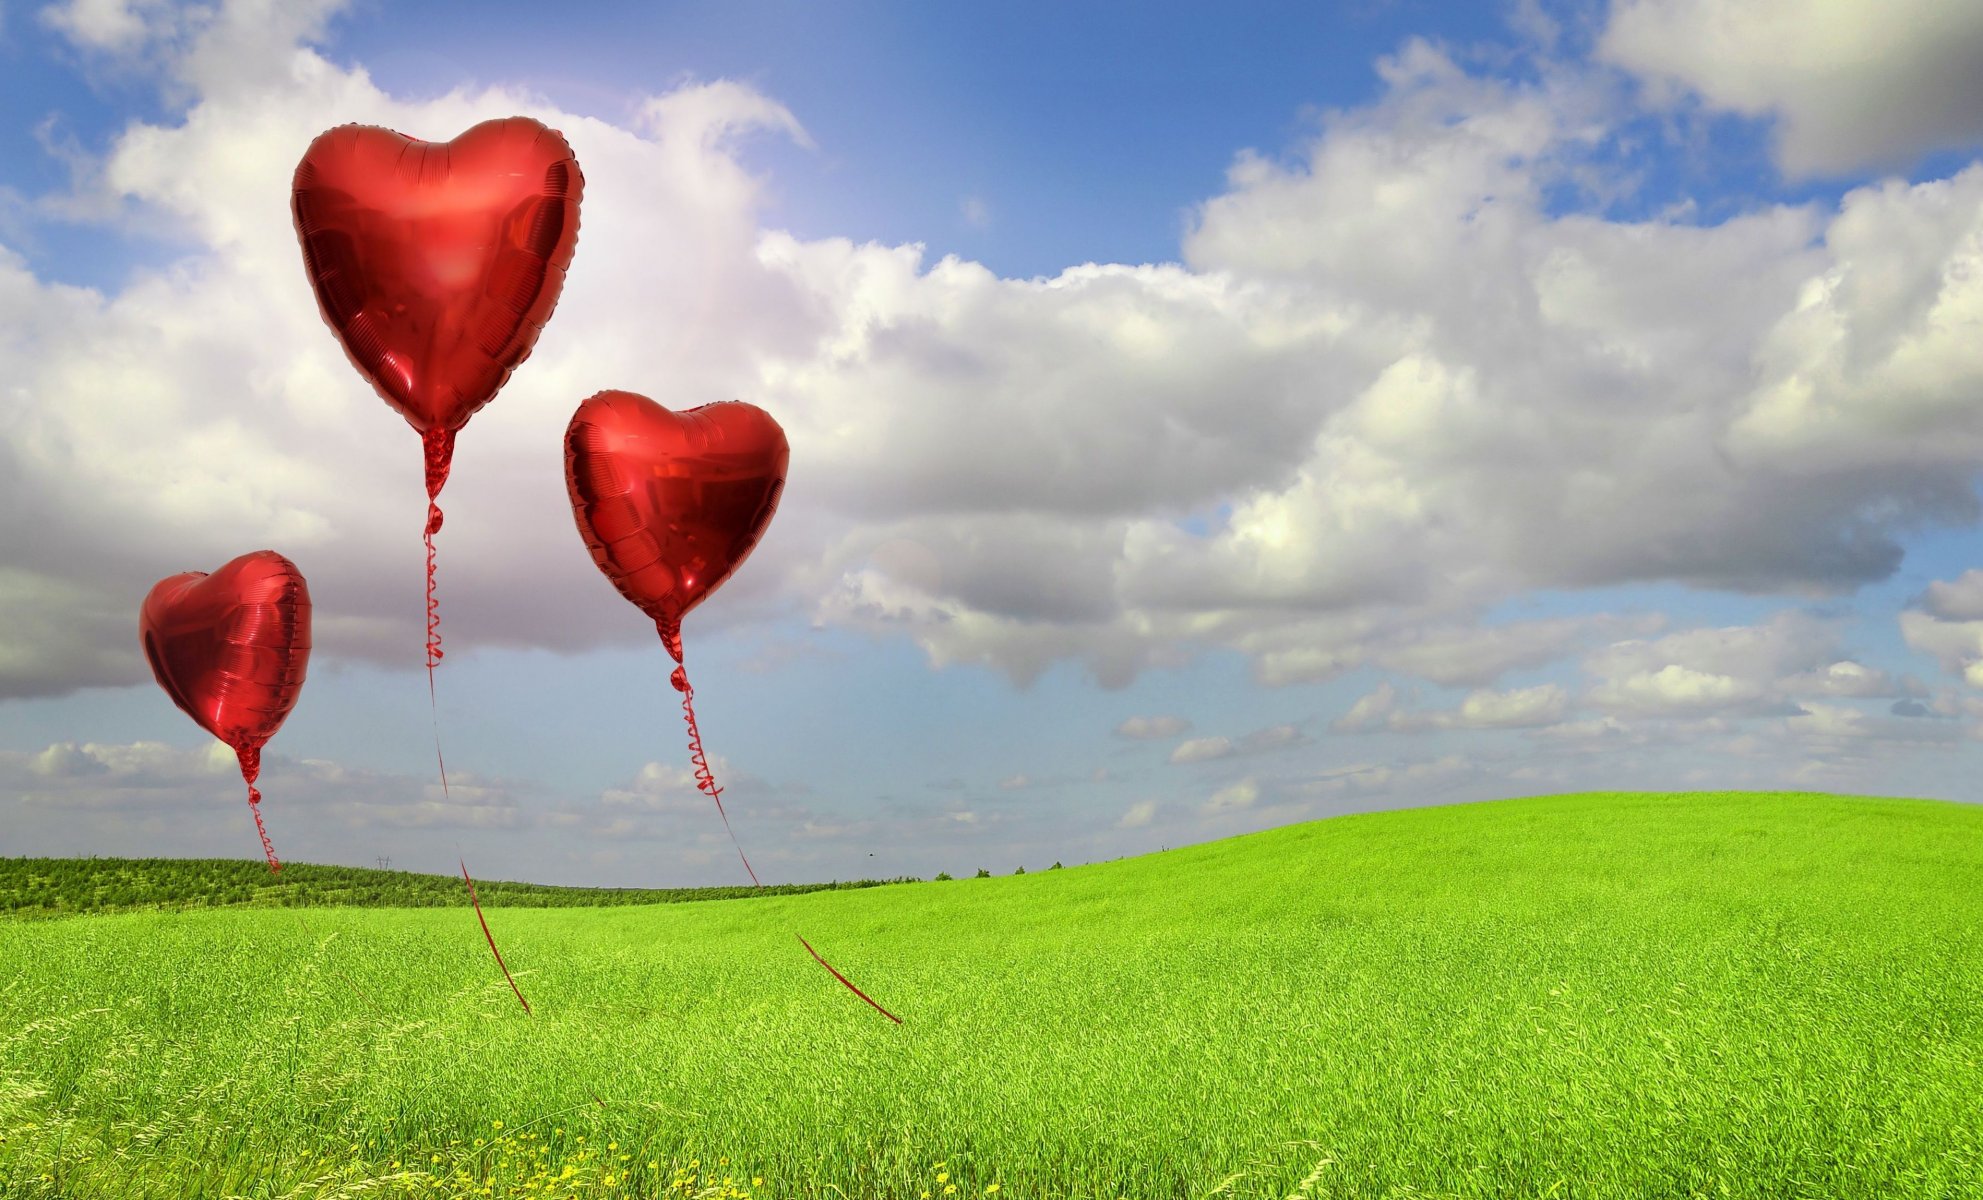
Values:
[(680, 679), (437, 445)]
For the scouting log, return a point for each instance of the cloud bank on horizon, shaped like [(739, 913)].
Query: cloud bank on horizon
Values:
[(1419, 367)]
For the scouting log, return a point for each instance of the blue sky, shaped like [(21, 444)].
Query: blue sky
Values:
[(1467, 401)]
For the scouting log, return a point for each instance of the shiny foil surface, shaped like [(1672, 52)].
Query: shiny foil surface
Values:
[(669, 503), (231, 648), (437, 264)]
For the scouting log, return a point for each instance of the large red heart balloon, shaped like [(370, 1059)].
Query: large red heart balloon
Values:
[(231, 648), (670, 503), (436, 264)]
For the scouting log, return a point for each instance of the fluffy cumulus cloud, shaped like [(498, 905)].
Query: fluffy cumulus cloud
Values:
[(1394, 381), (1849, 84), (1731, 670)]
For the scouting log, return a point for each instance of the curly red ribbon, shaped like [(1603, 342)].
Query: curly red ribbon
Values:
[(250, 759)]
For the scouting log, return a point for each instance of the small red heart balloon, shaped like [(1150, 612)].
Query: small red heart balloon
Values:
[(436, 264), (670, 504), (231, 648)]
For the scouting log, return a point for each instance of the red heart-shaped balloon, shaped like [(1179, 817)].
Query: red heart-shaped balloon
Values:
[(436, 264), (670, 504), (231, 648)]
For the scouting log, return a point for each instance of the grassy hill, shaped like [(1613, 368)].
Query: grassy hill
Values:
[(1592, 996), (36, 887)]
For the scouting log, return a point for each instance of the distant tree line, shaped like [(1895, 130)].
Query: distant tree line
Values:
[(32, 887)]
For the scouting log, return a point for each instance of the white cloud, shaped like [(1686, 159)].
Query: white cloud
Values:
[(1847, 678), (670, 788), (1232, 797), (116, 26), (1152, 728), (1137, 815), (1946, 622), (1852, 84), (1414, 389), (1593, 729), (1960, 599), (1370, 780), (1274, 737), (1674, 688), (1519, 708), (1201, 749), (1738, 668), (1515, 709), (133, 786), (1369, 711), (1260, 741), (1876, 365), (1836, 725)]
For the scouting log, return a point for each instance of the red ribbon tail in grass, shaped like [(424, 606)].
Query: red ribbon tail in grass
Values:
[(843, 979), (251, 769), (492, 937)]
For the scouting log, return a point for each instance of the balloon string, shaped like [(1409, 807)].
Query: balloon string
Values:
[(437, 453), (251, 769), (706, 783), (434, 645), (492, 938)]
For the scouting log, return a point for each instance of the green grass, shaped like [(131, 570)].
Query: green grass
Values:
[(57, 887), (1621, 995)]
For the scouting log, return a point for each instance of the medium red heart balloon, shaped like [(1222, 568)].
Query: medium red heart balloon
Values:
[(231, 648), (670, 504), (436, 264)]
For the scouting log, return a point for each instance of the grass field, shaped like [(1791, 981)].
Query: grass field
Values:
[(1620, 995)]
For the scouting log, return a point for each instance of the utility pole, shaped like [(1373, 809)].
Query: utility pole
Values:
[(384, 863)]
